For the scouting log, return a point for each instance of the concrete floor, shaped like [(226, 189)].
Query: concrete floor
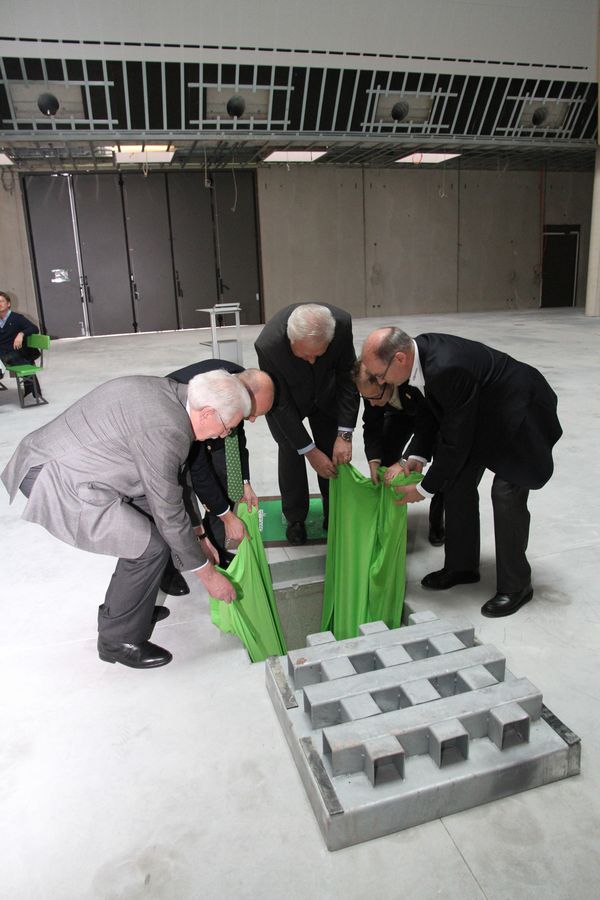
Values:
[(178, 783)]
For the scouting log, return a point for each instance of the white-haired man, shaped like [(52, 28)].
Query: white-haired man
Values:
[(104, 476), (309, 349), (208, 467)]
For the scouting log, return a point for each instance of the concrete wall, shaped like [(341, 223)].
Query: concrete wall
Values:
[(15, 267), (415, 241), (410, 237), (499, 245), (312, 238), (382, 242), (568, 201)]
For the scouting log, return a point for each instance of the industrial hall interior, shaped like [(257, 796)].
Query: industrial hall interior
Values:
[(299, 429)]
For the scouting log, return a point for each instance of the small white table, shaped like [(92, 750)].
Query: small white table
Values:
[(225, 349)]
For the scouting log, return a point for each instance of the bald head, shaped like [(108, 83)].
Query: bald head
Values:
[(261, 388), (388, 355)]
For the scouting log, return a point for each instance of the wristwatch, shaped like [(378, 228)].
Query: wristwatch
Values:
[(345, 435)]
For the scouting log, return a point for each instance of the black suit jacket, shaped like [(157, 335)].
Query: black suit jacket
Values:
[(326, 386), (487, 407), (205, 483), (374, 422)]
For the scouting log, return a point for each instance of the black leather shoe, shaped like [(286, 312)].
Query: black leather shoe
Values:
[(296, 533), (506, 604), (437, 535), (444, 579), (160, 613), (174, 584), (138, 656)]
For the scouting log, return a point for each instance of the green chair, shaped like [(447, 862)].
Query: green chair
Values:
[(40, 342)]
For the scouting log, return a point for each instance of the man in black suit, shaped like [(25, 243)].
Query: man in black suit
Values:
[(388, 424), (483, 410), (14, 331), (309, 348), (208, 469)]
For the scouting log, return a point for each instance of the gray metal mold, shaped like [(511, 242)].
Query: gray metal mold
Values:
[(398, 727)]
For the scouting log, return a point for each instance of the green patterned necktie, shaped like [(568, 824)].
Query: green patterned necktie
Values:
[(235, 486)]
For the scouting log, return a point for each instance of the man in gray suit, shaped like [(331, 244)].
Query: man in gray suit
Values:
[(105, 476)]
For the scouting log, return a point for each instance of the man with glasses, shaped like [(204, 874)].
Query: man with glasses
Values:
[(104, 476), (208, 468), (482, 410), (388, 424)]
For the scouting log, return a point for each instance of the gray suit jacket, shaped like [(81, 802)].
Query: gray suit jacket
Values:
[(127, 438)]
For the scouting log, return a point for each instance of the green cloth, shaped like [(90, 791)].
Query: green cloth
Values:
[(366, 553), (253, 615), (273, 523)]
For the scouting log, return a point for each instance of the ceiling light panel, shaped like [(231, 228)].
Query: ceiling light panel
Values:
[(294, 156)]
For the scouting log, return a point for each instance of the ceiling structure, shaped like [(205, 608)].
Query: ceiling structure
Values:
[(361, 115)]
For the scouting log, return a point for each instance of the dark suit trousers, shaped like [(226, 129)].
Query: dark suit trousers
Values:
[(293, 478), (511, 528), (126, 614)]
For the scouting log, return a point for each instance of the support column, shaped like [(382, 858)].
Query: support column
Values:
[(592, 297)]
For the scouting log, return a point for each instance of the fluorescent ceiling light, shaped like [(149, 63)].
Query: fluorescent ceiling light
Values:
[(431, 158), (5, 160), (141, 148), (151, 158), (288, 156)]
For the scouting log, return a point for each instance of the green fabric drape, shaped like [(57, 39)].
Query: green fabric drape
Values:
[(253, 616), (366, 553)]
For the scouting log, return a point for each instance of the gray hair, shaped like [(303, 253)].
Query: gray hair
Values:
[(311, 322), (220, 390), (394, 340)]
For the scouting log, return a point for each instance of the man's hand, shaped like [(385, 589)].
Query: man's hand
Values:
[(216, 584), (392, 471), (18, 341), (411, 465), (408, 494), (373, 467), (235, 530), (208, 547), (250, 497), (342, 452), (321, 463)]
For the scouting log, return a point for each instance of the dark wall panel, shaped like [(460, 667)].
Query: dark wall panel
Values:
[(104, 253), (55, 257), (193, 247)]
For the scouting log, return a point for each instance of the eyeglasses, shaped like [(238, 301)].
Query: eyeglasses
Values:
[(378, 396), (226, 431), (381, 376)]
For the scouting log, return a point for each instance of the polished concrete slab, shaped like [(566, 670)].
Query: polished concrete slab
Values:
[(178, 783)]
